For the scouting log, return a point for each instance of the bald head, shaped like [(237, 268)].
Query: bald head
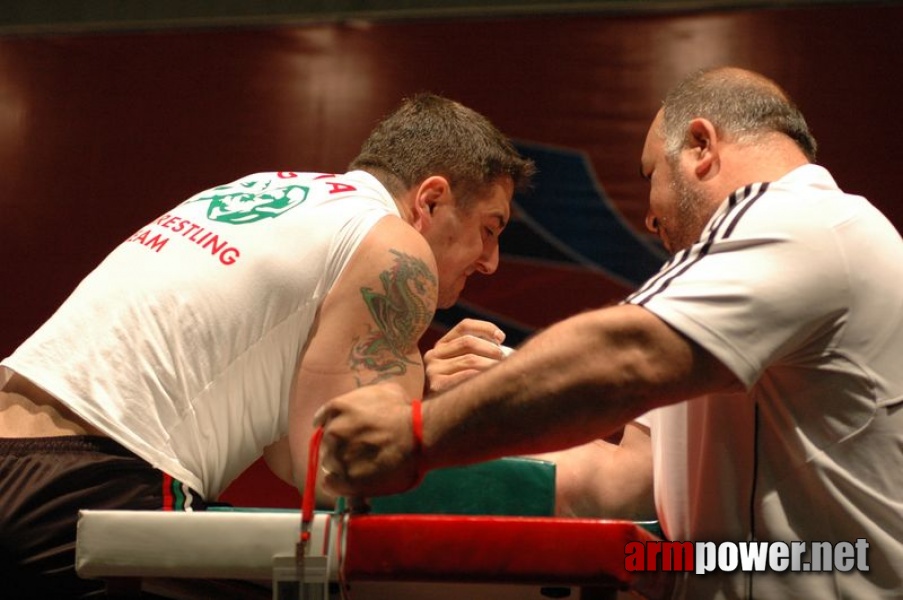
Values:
[(742, 105)]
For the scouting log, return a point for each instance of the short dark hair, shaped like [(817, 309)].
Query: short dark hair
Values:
[(737, 102), (431, 135)]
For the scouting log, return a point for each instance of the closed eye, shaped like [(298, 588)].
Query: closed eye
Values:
[(496, 229)]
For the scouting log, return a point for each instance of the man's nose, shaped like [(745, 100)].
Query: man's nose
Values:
[(489, 260)]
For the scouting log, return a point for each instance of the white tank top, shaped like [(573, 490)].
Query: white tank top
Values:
[(183, 343)]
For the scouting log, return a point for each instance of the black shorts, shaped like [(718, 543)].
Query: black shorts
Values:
[(44, 482)]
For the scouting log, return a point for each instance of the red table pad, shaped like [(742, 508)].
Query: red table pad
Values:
[(534, 550)]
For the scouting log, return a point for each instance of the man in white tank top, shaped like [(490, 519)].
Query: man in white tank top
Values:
[(212, 335), (757, 376)]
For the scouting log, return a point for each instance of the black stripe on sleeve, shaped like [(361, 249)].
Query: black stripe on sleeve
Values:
[(739, 202)]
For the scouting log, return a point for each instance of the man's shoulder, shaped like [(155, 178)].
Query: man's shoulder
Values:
[(394, 235)]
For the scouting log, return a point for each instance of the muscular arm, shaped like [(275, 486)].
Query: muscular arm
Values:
[(579, 380), (605, 480), (366, 332), (596, 480), (575, 382)]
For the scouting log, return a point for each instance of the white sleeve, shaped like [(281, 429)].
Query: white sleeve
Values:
[(763, 280)]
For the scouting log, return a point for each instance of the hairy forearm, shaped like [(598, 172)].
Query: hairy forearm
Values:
[(579, 380)]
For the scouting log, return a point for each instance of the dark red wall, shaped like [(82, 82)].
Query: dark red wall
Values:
[(100, 133)]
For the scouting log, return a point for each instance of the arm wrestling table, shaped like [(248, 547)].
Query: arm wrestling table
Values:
[(250, 553)]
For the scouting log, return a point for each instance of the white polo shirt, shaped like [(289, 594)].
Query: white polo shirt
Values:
[(798, 289)]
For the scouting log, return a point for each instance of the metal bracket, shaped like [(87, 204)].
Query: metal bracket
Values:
[(304, 580)]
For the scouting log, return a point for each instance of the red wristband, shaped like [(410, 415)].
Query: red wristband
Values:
[(308, 499), (417, 428)]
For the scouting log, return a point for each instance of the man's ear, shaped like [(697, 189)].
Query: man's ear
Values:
[(704, 145), (432, 191)]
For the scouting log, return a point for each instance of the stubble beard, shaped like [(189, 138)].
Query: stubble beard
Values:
[(691, 214)]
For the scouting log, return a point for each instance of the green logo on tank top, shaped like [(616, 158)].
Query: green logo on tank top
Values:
[(250, 201)]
